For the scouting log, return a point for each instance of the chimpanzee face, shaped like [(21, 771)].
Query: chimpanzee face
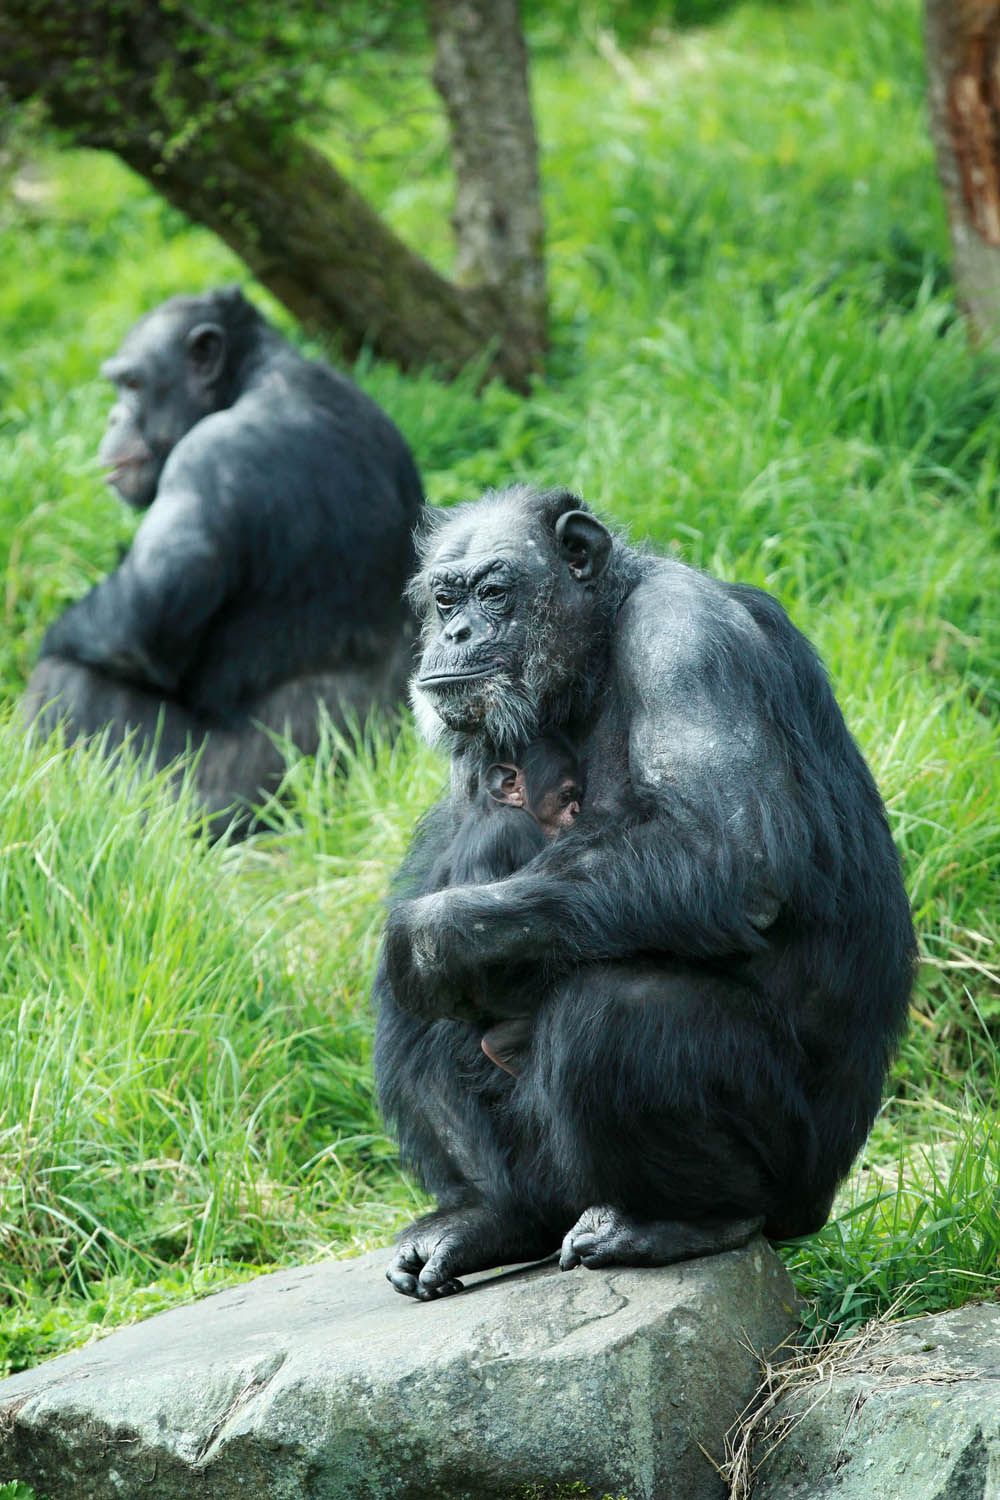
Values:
[(164, 377), (482, 606), (559, 806), (507, 604), (547, 786)]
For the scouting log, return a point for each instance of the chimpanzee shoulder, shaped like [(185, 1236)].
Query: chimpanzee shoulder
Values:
[(678, 629)]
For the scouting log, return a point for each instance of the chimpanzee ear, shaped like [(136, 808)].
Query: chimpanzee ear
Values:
[(205, 347), (584, 544), (502, 783)]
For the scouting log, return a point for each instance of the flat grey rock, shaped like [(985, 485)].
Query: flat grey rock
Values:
[(324, 1384), (916, 1417)]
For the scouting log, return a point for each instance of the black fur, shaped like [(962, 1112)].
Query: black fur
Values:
[(496, 838), (267, 574), (492, 842), (717, 956)]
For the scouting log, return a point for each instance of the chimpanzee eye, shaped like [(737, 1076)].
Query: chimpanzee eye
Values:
[(493, 593), (130, 382), (444, 600)]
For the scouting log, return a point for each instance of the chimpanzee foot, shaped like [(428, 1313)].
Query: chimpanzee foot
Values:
[(436, 1250), (604, 1236)]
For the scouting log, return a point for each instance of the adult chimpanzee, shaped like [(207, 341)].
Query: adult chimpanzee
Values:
[(266, 577), (516, 810), (718, 954)]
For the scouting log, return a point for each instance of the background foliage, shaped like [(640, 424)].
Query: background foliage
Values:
[(757, 362)]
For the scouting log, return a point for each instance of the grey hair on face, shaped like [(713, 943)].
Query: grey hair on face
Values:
[(562, 669), (504, 711), (430, 725), (511, 715)]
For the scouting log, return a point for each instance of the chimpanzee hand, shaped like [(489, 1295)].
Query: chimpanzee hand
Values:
[(468, 952), (421, 973)]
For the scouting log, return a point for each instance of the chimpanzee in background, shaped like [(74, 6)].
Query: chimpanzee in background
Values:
[(517, 809), (717, 955), (266, 577)]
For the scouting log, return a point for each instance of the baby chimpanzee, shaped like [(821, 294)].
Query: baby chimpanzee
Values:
[(518, 809)]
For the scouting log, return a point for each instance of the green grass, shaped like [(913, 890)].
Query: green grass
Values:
[(757, 362)]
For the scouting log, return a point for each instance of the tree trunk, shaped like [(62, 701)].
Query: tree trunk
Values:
[(134, 77), (481, 73), (963, 65)]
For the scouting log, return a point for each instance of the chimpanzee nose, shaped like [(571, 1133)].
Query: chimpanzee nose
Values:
[(457, 629)]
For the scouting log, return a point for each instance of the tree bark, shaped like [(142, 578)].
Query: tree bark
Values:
[(481, 73), (963, 65), (134, 77)]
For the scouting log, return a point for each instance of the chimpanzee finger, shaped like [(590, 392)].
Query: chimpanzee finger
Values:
[(443, 1261), (405, 1267), (584, 1245), (444, 1289), (568, 1258), (403, 1281)]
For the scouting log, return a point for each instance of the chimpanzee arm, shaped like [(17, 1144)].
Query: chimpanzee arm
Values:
[(715, 836), (143, 623)]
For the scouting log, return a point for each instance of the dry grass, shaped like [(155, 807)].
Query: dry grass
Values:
[(795, 1380)]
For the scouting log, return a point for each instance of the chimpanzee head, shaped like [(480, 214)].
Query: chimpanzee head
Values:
[(517, 593), (547, 783), (173, 368)]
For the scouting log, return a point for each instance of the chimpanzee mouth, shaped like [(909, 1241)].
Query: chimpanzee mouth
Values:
[(133, 479), (455, 679), (126, 468)]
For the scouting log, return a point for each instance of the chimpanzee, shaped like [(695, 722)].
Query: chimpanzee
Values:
[(517, 809), (717, 955), (266, 576)]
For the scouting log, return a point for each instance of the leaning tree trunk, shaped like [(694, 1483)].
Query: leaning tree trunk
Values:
[(135, 77), (963, 64)]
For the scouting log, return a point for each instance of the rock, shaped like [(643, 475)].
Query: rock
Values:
[(916, 1415), (324, 1384)]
